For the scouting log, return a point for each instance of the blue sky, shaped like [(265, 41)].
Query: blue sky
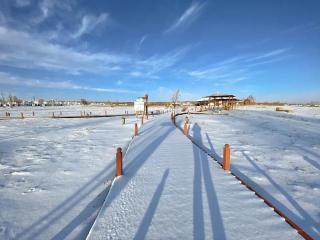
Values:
[(118, 50)]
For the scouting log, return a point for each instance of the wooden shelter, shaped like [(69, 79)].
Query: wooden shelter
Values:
[(225, 101)]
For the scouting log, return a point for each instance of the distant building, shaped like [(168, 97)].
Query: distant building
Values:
[(221, 101)]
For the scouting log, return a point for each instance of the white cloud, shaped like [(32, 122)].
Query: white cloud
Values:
[(270, 54), (22, 3), (119, 82), (20, 49), (136, 74), (158, 63), (142, 40), (163, 93), (189, 15), (237, 69), (49, 7), (8, 79), (89, 23)]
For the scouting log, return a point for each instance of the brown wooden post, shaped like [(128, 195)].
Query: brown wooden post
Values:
[(53, 114), (119, 162), (33, 114), (146, 106), (123, 120), (142, 119), (136, 129), (186, 129), (22, 115), (226, 157)]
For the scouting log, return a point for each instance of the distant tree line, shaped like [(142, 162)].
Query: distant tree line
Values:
[(10, 99)]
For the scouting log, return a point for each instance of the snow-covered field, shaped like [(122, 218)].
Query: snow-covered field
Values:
[(67, 111), (294, 110), (279, 153), (54, 173)]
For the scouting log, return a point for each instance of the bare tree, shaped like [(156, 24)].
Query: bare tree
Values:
[(10, 98), (84, 102), (2, 99), (249, 100), (175, 98)]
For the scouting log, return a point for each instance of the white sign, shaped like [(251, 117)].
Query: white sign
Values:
[(139, 105)]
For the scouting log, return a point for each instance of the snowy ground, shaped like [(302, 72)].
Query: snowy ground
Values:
[(55, 173), (279, 153), (67, 111), (294, 110), (172, 190)]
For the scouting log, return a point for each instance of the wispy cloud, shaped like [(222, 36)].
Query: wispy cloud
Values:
[(21, 49), (268, 55), (189, 16), (9, 79), (236, 69), (50, 7), (136, 74), (142, 40), (89, 23), (157, 63), (22, 3)]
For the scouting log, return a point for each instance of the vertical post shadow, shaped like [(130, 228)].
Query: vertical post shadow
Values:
[(308, 222), (36, 228), (218, 231), (89, 212), (146, 221), (198, 221), (212, 149)]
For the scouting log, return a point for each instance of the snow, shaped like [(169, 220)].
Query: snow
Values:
[(172, 190), (294, 110), (277, 153), (55, 173), (67, 110)]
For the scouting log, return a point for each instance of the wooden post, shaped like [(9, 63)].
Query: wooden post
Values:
[(142, 119), (119, 162), (123, 121), (105, 113), (226, 157), (22, 115), (136, 129), (60, 113), (186, 129), (33, 114), (53, 114)]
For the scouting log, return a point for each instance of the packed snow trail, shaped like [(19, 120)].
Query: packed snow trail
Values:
[(172, 190), (275, 153)]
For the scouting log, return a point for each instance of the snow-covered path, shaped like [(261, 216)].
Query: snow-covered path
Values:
[(277, 153), (172, 190)]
